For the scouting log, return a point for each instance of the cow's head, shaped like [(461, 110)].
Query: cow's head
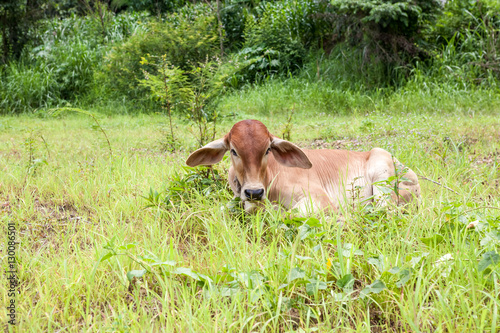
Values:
[(250, 145)]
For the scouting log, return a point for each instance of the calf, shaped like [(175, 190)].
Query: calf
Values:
[(264, 166)]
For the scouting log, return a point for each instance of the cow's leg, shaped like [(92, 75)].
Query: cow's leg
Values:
[(381, 170)]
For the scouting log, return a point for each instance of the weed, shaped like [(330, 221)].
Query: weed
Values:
[(56, 112), (286, 133), (99, 11), (32, 145), (205, 180), (169, 87)]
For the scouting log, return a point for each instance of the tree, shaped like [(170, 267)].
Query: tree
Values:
[(17, 19)]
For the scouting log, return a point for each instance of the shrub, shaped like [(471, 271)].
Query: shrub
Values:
[(56, 73), (385, 31), (26, 87), (192, 92), (461, 16), (278, 39), (73, 65), (168, 88), (60, 64), (233, 17), (155, 7), (468, 40), (184, 42), (17, 20)]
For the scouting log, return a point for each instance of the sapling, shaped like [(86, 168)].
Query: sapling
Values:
[(169, 87)]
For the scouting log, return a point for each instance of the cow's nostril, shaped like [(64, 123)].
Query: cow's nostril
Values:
[(254, 194), (259, 193)]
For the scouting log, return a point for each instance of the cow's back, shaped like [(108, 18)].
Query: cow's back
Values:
[(336, 175)]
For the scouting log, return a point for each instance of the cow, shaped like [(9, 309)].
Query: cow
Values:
[(265, 166)]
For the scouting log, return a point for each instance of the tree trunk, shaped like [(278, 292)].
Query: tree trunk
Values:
[(220, 30)]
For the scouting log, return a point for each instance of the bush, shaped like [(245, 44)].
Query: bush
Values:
[(17, 21), (26, 87), (185, 43), (462, 16), (467, 36), (60, 31), (155, 7), (193, 93), (233, 19), (386, 31), (73, 66), (279, 38), (60, 64)]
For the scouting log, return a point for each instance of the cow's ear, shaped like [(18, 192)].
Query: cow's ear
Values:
[(210, 154), (289, 155)]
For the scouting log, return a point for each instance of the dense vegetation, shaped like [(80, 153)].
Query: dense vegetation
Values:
[(90, 53)]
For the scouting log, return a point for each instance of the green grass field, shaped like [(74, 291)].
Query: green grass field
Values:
[(82, 223)]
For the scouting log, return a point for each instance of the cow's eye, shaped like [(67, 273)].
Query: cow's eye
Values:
[(233, 152), (268, 151)]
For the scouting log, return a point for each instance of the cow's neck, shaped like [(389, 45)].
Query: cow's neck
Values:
[(273, 177)]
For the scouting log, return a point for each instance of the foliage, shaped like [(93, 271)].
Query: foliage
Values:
[(234, 16), (377, 46), (460, 16), (185, 43), (468, 39), (155, 7), (61, 66), (190, 92), (17, 19), (206, 181), (189, 13), (278, 35), (65, 8), (384, 30), (26, 88), (402, 17), (169, 87), (278, 38), (207, 85), (99, 12), (73, 27)]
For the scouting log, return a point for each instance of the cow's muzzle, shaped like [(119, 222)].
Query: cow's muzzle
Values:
[(254, 194)]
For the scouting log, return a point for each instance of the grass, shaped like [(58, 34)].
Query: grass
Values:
[(73, 203), (276, 97)]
